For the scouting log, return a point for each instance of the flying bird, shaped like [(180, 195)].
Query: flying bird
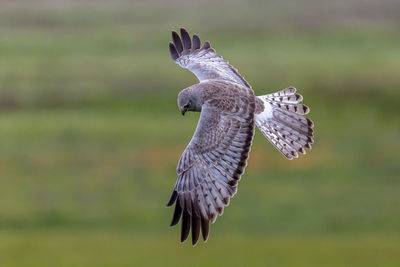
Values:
[(215, 159)]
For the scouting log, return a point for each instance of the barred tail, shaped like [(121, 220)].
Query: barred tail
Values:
[(283, 123)]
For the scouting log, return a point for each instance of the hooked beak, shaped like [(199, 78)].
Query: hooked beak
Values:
[(182, 111)]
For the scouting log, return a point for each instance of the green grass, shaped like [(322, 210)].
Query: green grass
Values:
[(109, 248), (90, 135)]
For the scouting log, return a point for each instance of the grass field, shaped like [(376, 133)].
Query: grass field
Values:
[(90, 134), (93, 248)]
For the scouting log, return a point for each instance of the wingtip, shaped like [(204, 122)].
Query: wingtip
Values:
[(196, 42), (194, 242), (175, 36), (177, 214), (205, 228), (186, 40), (173, 51), (182, 30), (184, 237), (186, 224), (196, 224), (173, 223), (173, 198), (177, 42), (206, 45)]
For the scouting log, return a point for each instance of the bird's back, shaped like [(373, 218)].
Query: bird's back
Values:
[(232, 97)]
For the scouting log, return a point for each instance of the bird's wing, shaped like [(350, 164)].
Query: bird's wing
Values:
[(212, 164), (203, 61)]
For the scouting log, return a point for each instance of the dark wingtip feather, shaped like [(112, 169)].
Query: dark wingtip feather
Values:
[(177, 41), (206, 45), (172, 199), (205, 228), (186, 221), (195, 228), (187, 42), (196, 42), (177, 214), (172, 50)]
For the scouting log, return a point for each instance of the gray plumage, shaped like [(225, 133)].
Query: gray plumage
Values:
[(215, 159)]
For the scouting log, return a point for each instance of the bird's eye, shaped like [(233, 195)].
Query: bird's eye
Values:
[(187, 105)]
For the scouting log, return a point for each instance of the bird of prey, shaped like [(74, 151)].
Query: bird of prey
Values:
[(215, 159)]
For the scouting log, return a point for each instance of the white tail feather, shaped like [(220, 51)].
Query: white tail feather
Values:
[(283, 123)]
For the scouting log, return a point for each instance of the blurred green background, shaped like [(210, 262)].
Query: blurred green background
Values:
[(90, 134)]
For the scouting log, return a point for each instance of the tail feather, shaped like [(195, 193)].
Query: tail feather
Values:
[(295, 108), (301, 119), (283, 123), (295, 98), (290, 139), (284, 92), (294, 122), (280, 145)]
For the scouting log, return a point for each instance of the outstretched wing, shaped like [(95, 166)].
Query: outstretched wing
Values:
[(203, 61), (212, 164)]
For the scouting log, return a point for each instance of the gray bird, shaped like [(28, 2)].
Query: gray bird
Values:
[(215, 159)]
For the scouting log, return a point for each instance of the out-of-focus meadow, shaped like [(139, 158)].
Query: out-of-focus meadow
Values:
[(90, 133)]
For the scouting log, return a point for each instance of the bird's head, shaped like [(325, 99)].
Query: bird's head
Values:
[(189, 99), (184, 101)]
